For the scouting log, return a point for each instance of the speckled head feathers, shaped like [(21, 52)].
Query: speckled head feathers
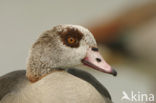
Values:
[(61, 47)]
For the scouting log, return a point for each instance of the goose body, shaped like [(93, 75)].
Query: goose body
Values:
[(58, 87), (48, 78)]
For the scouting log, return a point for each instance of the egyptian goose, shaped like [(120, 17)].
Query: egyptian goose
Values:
[(48, 77)]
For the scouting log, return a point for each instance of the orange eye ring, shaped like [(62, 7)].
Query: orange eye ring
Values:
[(71, 40)]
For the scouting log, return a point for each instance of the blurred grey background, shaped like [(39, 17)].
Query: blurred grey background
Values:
[(22, 21)]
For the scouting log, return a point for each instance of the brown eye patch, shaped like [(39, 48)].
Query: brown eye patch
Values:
[(71, 37)]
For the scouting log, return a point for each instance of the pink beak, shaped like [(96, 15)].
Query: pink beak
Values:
[(94, 60)]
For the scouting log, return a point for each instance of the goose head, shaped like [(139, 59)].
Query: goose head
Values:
[(62, 47)]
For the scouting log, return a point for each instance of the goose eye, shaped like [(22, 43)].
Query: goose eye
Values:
[(71, 40)]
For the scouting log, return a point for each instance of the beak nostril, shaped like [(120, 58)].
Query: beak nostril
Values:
[(95, 49), (98, 59)]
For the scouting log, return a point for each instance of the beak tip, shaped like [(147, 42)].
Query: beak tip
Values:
[(114, 72)]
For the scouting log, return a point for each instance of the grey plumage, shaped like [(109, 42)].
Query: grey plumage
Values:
[(92, 80), (9, 81)]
